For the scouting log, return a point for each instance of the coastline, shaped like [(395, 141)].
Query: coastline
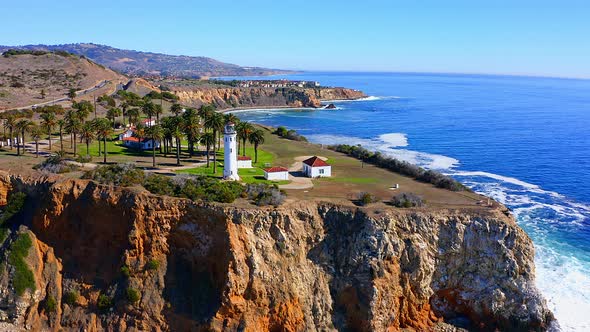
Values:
[(262, 108)]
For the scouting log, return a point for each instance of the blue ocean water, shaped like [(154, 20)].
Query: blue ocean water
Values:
[(524, 141)]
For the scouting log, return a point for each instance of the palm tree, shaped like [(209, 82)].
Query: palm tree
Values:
[(73, 125), (61, 124), (257, 138), (205, 111), (9, 123), (87, 134), (156, 133), (22, 125), (191, 126), (133, 115), (176, 109), (48, 121), (177, 134), (215, 122), (230, 117), (84, 108), (113, 113), (149, 109), (244, 129), (103, 130), (208, 140), (157, 112), (36, 133), (124, 107)]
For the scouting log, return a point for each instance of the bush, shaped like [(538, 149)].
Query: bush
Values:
[(132, 295), (159, 185), (365, 198), (104, 302), (125, 271), (207, 189), (152, 264), (84, 159), (23, 276), (289, 134), (264, 194), (169, 95), (119, 175), (50, 304), (70, 298), (406, 200), (15, 203), (56, 164)]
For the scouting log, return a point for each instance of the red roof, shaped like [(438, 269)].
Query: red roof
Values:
[(131, 138), (244, 158), (315, 161), (275, 169)]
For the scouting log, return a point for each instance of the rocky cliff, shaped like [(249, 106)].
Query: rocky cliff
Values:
[(304, 267), (225, 98)]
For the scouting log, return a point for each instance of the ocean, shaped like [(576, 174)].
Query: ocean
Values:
[(525, 141)]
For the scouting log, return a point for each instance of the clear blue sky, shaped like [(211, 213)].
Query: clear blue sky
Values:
[(501, 37)]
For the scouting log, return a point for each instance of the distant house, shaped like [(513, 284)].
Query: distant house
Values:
[(148, 122), (127, 133), (276, 173), (314, 167), (244, 162), (136, 143)]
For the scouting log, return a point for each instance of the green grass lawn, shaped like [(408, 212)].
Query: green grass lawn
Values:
[(351, 180), (247, 175)]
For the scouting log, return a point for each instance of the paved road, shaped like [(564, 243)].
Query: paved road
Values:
[(59, 100)]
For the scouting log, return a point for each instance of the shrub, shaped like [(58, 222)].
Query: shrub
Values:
[(55, 163), (23, 276), (264, 194), (15, 203), (119, 175), (125, 271), (132, 295), (207, 189), (84, 159), (289, 134), (70, 298), (50, 304), (406, 200), (104, 302), (365, 198), (159, 185), (169, 95), (153, 264)]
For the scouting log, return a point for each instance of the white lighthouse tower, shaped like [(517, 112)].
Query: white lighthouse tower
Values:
[(230, 163)]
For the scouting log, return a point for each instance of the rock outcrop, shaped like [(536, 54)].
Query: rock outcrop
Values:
[(225, 98), (304, 267)]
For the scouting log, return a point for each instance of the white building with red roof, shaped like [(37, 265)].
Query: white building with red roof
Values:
[(315, 167), (244, 162), (143, 144), (276, 173)]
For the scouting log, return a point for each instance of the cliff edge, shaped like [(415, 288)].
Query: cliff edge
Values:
[(304, 267)]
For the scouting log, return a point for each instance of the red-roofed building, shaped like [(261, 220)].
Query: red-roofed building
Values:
[(276, 173), (315, 167), (136, 143), (244, 162)]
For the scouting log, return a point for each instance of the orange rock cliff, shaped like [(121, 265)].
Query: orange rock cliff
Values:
[(312, 266)]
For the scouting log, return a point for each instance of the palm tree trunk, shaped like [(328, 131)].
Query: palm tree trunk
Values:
[(208, 149), (244, 147), (87, 147), (153, 152), (105, 149), (49, 135), (99, 147), (61, 140), (74, 143), (36, 149), (255, 153), (23, 141), (177, 151), (11, 137)]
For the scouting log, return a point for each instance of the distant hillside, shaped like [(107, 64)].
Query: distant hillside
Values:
[(137, 63), (31, 79)]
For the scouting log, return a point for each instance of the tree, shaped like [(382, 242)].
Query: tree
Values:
[(177, 134), (214, 122), (176, 109), (9, 123), (72, 93), (43, 94), (149, 109), (22, 125), (157, 112), (61, 124), (103, 129), (113, 113), (124, 107), (191, 126), (48, 121), (84, 108), (133, 115), (87, 134), (36, 133), (73, 124), (156, 133), (244, 129), (256, 137), (208, 140)]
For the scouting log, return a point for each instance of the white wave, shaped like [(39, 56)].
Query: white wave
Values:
[(388, 144), (369, 98), (497, 177)]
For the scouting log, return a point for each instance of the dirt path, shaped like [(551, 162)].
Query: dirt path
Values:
[(296, 176)]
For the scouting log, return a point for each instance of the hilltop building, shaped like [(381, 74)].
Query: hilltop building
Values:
[(315, 167), (276, 173), (230, 165)]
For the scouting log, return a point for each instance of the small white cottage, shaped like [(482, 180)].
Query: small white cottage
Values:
[(315, 167), (276, 173), (244, 162), (136, 143)]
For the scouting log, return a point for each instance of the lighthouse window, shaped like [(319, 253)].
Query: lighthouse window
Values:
[(231, 150)]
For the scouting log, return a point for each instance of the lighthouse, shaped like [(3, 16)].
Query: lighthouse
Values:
[(230, 164)]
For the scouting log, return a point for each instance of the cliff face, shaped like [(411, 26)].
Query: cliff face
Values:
[(308, 267), (224, 98)]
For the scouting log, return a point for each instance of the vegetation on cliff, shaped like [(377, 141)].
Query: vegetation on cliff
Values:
[(23, 278)]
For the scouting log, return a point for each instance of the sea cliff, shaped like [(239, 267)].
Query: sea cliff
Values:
[(306, 266)]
